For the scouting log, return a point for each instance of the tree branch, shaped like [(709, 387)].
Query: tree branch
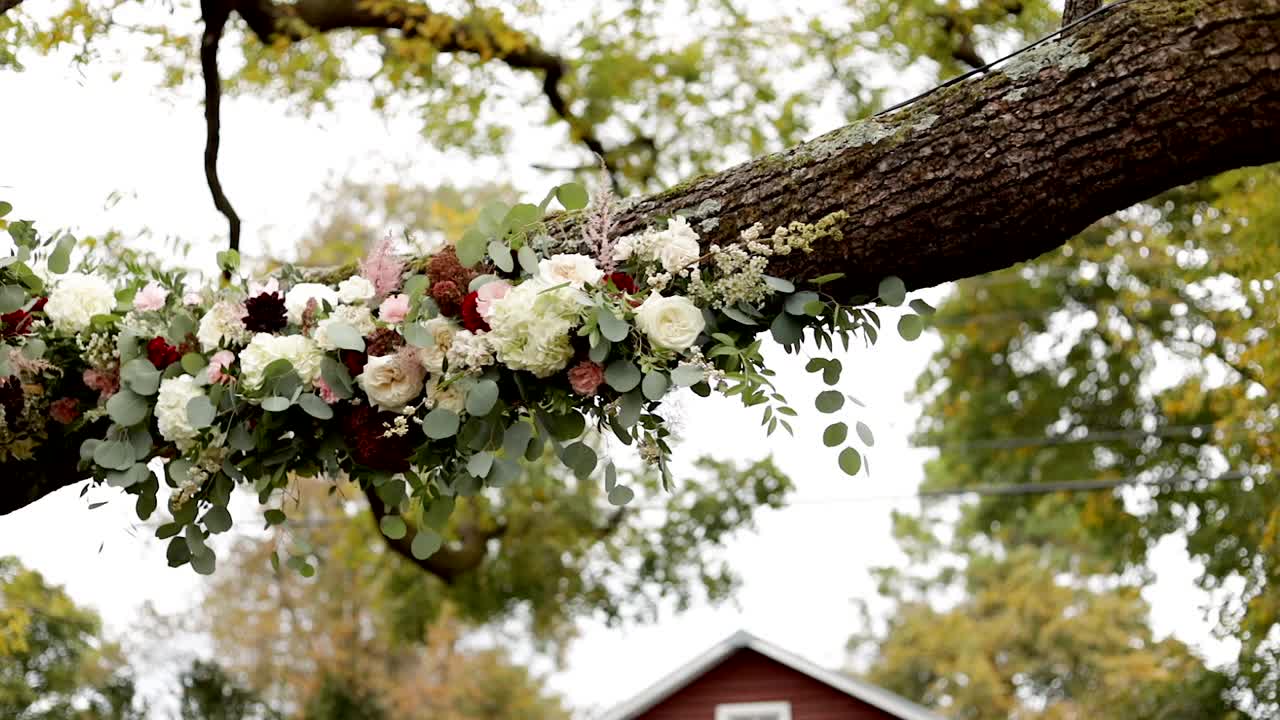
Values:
[(448, 562), (269, 20), (215, 15), (1076, 9), (7, 5), (996, 170)]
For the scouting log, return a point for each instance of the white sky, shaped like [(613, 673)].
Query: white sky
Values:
[(71, 141)]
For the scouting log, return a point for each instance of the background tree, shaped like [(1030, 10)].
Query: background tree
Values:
[(54, 662), (1134, 357), (208, 692)]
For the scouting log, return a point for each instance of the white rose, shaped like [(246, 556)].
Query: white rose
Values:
[(301, 352), (355, 289), (449, 397), (442, 331), (677, 246), (171, 410), (76, 299), (572, 268), (392, 381), (360, 318), (295, 301), (673, 323), (623, 248), (222, 325)]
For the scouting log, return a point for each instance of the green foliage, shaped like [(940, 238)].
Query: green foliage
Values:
[(207, 692), (54, 663)]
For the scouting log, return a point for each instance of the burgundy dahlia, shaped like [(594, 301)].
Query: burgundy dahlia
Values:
[(383, 341), (265, 312), (471, 317), (365, 431), (161, 353)]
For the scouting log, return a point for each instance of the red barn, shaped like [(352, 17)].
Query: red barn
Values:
[(746, 678)]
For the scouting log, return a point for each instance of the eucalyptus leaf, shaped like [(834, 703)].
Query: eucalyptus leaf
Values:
[(315, 407), (655, 385), (505, 471), (12, 298), (417, 335), (393, 526), (516, 439), (786, 330), (482, 398), (528, 260), (850, 461), (796, 303), (910, 327), (580, 458), (864, 432), (572, 196), (835, 434), (275, 403), (200, 412), (893, 291), (440, 424), (480, 463), (737, 315), (60, 258), (193, 363), (436, 513), (344, 336), (687, 374), (217, 520), (140, 376), (471, 246), (500, 253), (425, 543), (621, 495), (779, 285), (614, 329), (622, 375), (127, 408), (829, 401)]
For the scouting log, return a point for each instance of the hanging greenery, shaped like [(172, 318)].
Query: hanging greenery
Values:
[(423, 379)]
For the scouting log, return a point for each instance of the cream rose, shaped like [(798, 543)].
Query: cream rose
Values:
[(572, 268), (442, 331), (392, 381), (673, 323), (355, 289)]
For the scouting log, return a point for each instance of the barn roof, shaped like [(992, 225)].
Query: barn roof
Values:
[(686, 674)]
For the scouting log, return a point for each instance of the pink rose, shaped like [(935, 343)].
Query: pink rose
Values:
[(586, 378), (218, 364), (151, 297), (490, 293), (394, 309)]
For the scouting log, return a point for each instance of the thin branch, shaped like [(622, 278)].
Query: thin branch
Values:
[(295, 21), (215, 15)]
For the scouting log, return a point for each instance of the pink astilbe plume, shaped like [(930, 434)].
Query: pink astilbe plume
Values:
[(599, 229), (382, 268)]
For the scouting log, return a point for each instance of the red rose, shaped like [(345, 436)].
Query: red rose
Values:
[(471, 318), (161, 353), (623, 282), (19, 322), (354, 360)]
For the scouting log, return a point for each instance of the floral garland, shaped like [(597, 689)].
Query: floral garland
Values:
[(422, 381)]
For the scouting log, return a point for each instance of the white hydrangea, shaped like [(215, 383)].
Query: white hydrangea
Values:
[(573, 268), (356, 289), (442, 331), (449, 397), (532, 326), (171, 410), (358, 317), (295, 301), (470, 351), (301, 351), (222, 326), (76, 299)]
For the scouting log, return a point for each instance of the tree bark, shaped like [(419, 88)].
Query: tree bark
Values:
[(977, 176)]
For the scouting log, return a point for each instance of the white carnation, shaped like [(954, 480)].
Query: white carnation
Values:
[(356, 289), (442, 331), (677, 246), (301, 352), (673, 323), (573, 268), (171, 410), (470, 351), (392, 381), (358, 317), (532, 326), (76, 299), (222, 326), (448, 397), (295, 301)]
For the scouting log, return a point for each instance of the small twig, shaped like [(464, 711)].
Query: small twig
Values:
[(215, 16)]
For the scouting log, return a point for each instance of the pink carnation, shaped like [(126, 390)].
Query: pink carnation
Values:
[(65, 410), (151, 297), (326, 393), (586, 378), (218, 365), (488, 294), (106, 382), (394, 309)]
